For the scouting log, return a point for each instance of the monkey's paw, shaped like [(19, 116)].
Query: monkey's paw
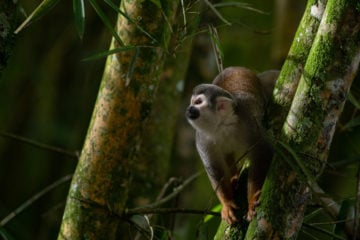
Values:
[(253, 203), (228, 213)]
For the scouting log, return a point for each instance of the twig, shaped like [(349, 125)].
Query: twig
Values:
[(135, 211), (211, 6), (34, 198), (168, 197), (39, 144)]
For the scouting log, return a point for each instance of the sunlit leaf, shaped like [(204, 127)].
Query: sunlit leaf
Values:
[(218, 52), (106, 21), (117, 9), (324, 231), (217, 208), (109, 52), (79, 13), (43, 8)]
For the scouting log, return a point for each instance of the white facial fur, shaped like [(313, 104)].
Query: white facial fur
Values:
[(211, 119)]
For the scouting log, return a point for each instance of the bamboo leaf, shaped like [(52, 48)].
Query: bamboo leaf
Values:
[(218, 51), (323, 231), (157, 3), (303, 170), (217, 13), (79, 14), (353, 100), (130, 73), (354, 122), (109, 52), (106, 21), (342, 217), (217, 208), (43, 8), (117, 9), (5, 234), (246, 6)]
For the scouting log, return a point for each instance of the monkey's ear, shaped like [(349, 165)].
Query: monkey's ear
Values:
[(223, 105)]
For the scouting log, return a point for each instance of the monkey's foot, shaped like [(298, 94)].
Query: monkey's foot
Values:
[(253, 203), (228, 212)]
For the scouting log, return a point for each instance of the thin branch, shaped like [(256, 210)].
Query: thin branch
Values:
[(321, 230), (72, 154), (170, 196), (144, 210), (34, 198), (137, 211), (217, 13)]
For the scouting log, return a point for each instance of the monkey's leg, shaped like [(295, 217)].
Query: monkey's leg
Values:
[(261, 157)]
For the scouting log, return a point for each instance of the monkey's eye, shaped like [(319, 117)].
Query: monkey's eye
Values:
[(198, 101)]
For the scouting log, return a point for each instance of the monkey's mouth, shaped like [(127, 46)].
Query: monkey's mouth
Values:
[(192, 113)]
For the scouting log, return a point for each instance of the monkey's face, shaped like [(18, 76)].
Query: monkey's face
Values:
[(210, 106)]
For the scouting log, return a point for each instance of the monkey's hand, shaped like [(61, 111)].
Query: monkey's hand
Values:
[(228, 212), (253, 202)]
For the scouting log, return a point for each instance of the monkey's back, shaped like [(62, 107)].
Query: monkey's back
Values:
[(245, 86)]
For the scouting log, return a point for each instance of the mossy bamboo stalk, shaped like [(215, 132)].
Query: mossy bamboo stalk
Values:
[(308, 130), (103, 175)]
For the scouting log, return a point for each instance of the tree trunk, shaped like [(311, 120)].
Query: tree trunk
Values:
[(103, 176), (303, 146)]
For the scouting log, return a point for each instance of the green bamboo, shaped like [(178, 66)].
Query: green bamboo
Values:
[(293, 66), (103, 175), (308, 130)]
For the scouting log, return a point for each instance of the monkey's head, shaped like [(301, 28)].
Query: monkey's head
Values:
[(210, 106)]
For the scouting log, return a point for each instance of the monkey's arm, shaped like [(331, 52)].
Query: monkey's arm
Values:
[(220, 177)]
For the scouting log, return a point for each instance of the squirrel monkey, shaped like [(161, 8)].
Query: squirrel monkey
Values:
[(227, 116)]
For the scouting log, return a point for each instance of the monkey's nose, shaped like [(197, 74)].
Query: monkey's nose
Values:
[(192, 113)]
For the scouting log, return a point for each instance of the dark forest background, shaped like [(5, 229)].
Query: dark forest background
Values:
[(47, 94)]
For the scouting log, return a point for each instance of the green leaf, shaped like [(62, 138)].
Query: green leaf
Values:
[(157, 3), (131, 71), (43, 8), (5, 234), (109, 52), (216, 12), (217, 208), (117, 9), (106, 21), (342, 217), (79, 13), (353, 100), (354, 122)]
